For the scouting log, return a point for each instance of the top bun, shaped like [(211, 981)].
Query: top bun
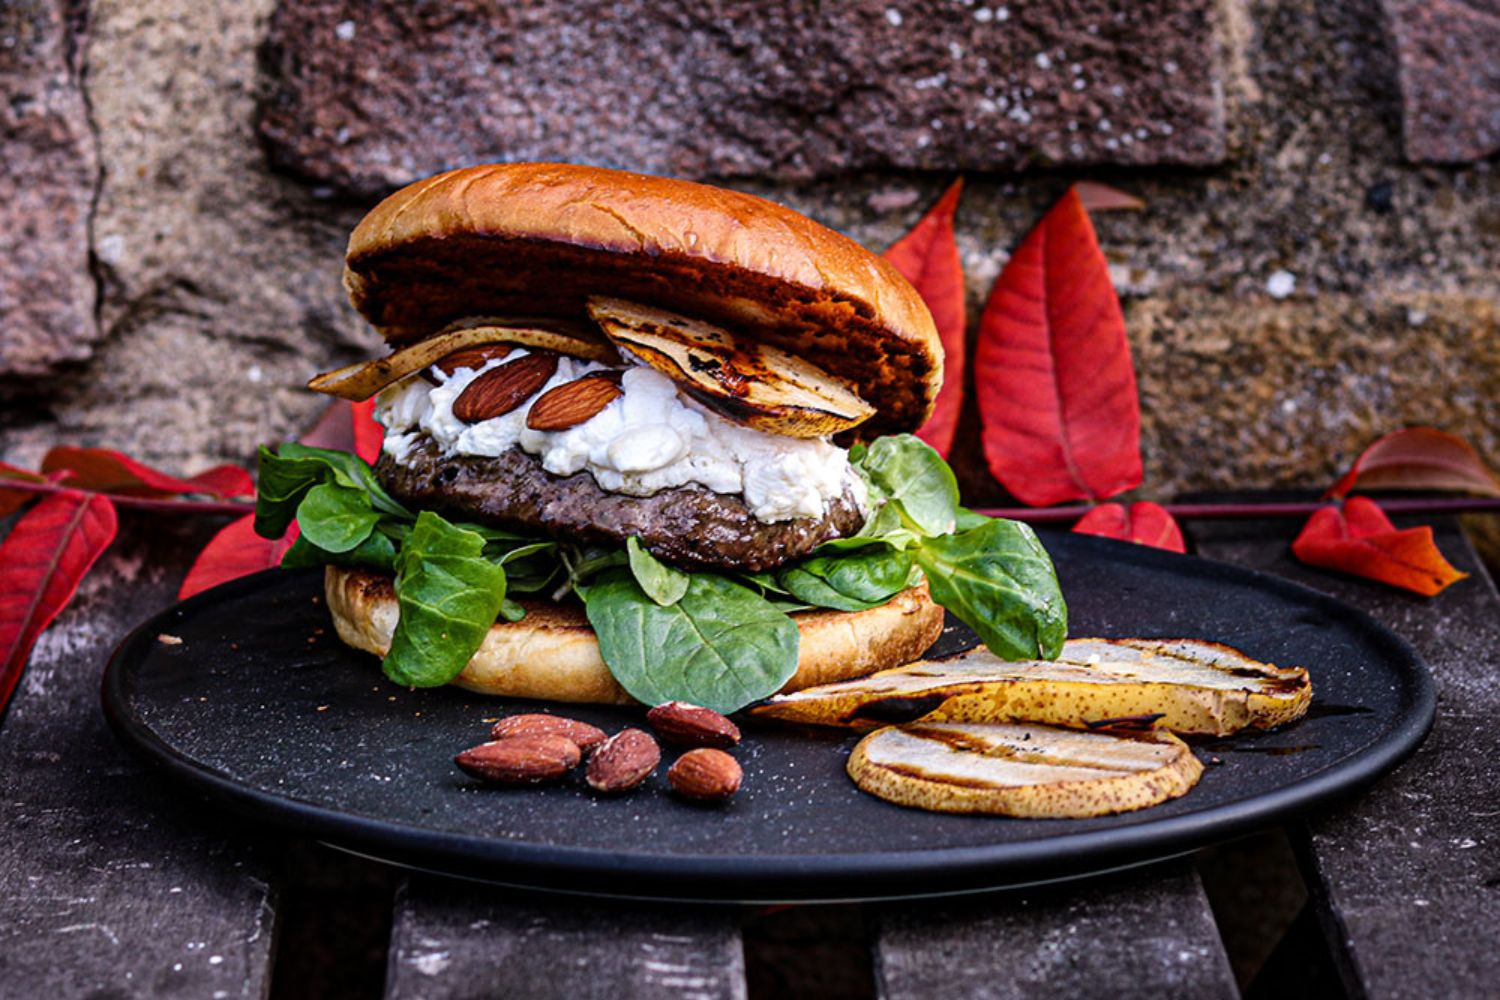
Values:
[(536, 239)]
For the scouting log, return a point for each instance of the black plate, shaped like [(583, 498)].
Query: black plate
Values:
[(261, 705)]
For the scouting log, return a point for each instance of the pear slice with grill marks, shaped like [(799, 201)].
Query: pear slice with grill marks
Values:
[(1011, 769), (359, 382), (753, 384), (1193, 685)]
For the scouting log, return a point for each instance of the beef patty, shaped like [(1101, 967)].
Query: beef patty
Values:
[(688, 525)]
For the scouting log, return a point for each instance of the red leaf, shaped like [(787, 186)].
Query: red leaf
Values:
[(45, 557), (1419, 458), (1144, 523), (1361, 540), (368, 435), (333, 429), (928, 258), (346, 426), (1098, 197), (1056, 386), (111, 472), (234, 552), (13, 500)]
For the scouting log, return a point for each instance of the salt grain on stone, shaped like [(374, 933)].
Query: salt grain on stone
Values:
[(1281, 284)]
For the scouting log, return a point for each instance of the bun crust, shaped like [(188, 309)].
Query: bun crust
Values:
[(538, 238), (553, 655)]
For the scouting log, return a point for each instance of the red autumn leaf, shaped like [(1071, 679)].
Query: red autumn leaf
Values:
[(928, 258), (1098, 197), (1052, 369), (368, 435), (1360, 539), (346, 426), (1144, 523), (111, 472), (334, 428), (13, 500), (1419, 458), (234, 552), (46, 554)]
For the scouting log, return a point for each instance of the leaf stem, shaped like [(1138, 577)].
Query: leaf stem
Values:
[(231, 508), (1223, 511)]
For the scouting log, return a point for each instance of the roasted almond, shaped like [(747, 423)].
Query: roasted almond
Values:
[(572, 403), (583, 735), (688, 725), (473, 357), (623, 761), (521, 760), (705, 774), (500, 390)]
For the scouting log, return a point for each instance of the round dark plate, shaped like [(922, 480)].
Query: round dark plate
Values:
[(262, 706)]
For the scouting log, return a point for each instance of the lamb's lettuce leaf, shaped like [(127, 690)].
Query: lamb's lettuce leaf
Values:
[(662, 583), (999, 581), (854, 580), (721, 645), (906, 474), (449, 595)]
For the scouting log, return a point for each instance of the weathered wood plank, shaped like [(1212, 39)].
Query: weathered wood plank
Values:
[(112, 882), (1145, 933), (456, 940), (1404, 876)]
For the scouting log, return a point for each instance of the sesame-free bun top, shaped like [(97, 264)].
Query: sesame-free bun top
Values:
[(536, 239)]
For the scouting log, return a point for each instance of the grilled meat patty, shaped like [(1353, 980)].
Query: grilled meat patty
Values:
[(689, 525)]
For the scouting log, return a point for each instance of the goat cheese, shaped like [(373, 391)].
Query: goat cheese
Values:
[(646, 440)]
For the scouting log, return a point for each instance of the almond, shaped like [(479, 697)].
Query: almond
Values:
[(572, 403), (583, 735), (705, 774), (500, 390), (688, 725), (623, 761), (521, 760), (473, 357)]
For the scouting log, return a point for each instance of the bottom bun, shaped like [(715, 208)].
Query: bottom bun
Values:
[(553, 655)]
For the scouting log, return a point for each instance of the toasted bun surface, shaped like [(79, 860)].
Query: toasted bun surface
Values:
[(553, 655), (538, 238)]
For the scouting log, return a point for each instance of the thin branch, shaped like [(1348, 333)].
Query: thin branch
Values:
[(1222, 511), (232, 508)]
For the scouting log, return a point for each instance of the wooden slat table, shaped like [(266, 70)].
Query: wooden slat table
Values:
[(1406, 878), (114, 882)]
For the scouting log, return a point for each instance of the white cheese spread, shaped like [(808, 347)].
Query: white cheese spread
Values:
[(646, 440)]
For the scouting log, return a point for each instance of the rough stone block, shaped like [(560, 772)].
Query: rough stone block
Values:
[(368, 95), (46, 186), (219, 281), (1450, 77)]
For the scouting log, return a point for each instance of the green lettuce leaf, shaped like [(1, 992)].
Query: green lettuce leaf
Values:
[(854, 580), (721, 645), (662, 583), (449, 595), (336, 518), (376, 552), (999, 580), (905, 471), (287, 475)]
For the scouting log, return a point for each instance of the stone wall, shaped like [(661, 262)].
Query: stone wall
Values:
[(1319, 261)]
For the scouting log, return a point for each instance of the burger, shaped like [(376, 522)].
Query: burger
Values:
[(645, 440)]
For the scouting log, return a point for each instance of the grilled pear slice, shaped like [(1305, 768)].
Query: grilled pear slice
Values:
[(1193, 685), (1034, 771), (359, 382), (753, 384)]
